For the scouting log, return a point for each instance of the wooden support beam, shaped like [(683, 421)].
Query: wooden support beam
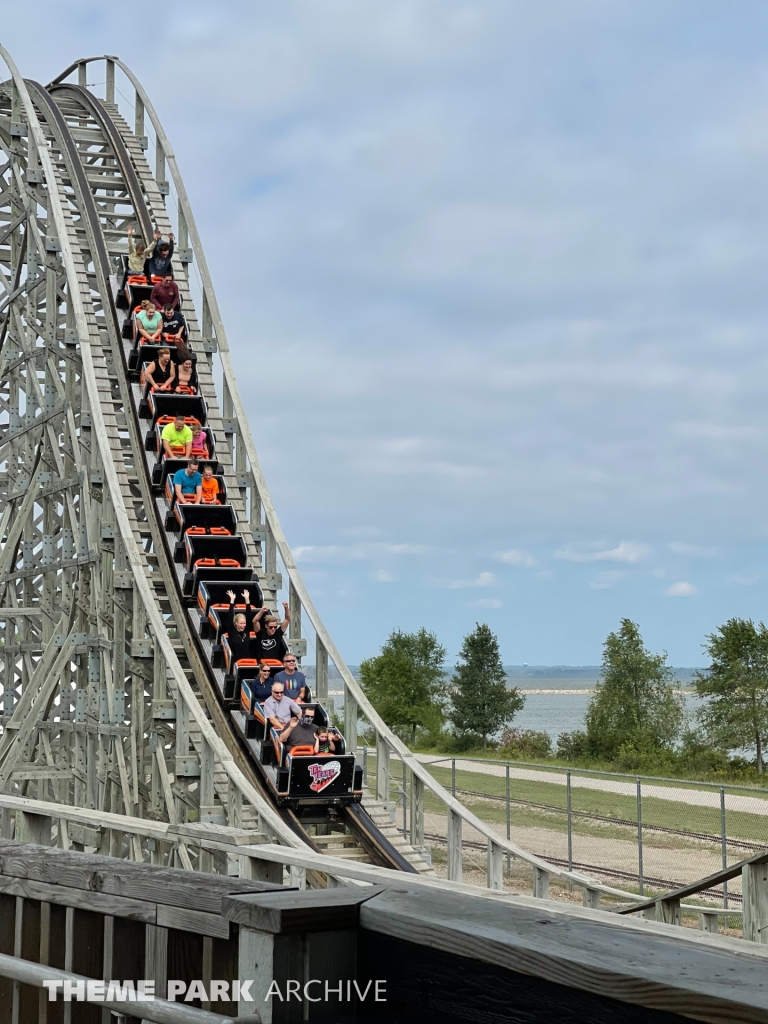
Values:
[(754, 887), (455, 858)]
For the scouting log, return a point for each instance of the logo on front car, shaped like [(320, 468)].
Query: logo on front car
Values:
[(323, 774)]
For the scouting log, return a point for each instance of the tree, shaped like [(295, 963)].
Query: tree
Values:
[(634, 703), (481, 701), (735, 688), (405, 682)]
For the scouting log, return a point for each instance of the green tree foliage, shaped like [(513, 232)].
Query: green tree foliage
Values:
[(481, 701), (735, 688), (405, 682), (634, 703)]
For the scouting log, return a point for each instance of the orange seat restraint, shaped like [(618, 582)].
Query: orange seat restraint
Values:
[(231, 563), (136, 279), (221, 531), (272, 662), (302, 750), (195, 530), (247, 663), (205, 563), (185, 389)]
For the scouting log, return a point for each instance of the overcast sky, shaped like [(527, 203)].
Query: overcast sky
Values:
[(494, 277)]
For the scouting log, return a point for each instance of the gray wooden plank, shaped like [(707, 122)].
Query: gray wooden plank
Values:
[(693, 974)]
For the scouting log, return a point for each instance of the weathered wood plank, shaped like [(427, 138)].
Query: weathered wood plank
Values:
[(298, 911), (93, 873), (193, 921), (678, 971), (101, 903)]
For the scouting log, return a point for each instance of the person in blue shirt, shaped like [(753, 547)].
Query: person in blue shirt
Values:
[(188, 484), (295, 682)]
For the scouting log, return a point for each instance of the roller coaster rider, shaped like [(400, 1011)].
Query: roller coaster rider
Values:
[(137, 256), (166, 293), (270, 636), (158, 263), (162, 370), (238, 634)]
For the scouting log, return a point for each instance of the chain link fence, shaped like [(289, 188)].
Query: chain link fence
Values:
[(646, 835)]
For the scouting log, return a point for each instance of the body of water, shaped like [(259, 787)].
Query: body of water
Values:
[(559, 705)]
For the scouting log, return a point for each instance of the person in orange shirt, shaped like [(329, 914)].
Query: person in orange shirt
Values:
[(210, 487)]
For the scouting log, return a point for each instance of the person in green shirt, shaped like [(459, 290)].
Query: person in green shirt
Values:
[(149, 321), (178, 436)]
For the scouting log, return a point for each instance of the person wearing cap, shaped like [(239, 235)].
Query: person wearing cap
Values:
[(159, 260), (301, 730)]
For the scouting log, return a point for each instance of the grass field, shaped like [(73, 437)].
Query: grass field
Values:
[(662, 813)]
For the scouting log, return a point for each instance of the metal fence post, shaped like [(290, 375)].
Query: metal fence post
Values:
[(724, 845), (365, 764), (570, 821), (640, 835), (509, 825), (453, 776)]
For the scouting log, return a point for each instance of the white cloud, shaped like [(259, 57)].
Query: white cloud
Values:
[(692, 550), (484, 579), (744, 581), (681, 589), (518, 558), (485, 602), (626, 551), (383, 576), (606, 580), (361, 552)]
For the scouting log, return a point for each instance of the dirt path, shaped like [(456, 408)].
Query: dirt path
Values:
[(675, 865), (674, 794)]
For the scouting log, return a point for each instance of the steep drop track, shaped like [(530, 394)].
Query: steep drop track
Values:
[(61, 106)]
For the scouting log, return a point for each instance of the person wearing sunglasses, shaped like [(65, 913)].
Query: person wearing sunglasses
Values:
[(295, 682), (279, 709), (270, 634)]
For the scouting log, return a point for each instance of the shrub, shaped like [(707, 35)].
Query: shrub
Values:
[(572, 745), (522, 743)]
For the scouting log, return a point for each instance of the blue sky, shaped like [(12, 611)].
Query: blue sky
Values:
[(494, 280)]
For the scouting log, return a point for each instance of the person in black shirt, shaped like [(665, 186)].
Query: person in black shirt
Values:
[(270, 634), (300, 732), (174, 325), (237, 633), (161, 371), (159, 260)]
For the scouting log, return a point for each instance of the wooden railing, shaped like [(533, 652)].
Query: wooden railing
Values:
[(78, 917)]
